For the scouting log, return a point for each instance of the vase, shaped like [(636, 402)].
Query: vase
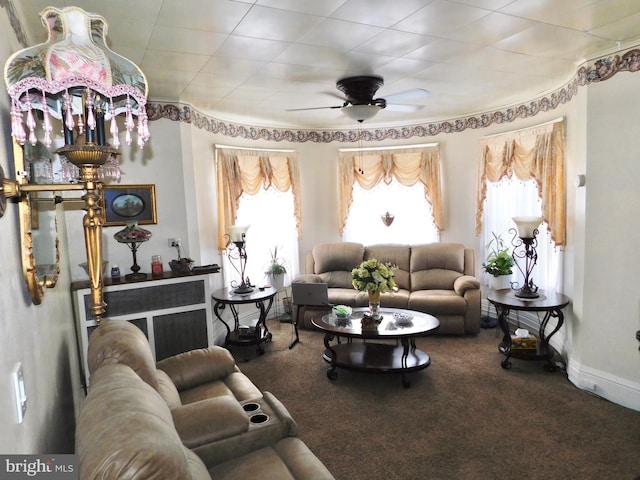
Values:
[(374, 305)]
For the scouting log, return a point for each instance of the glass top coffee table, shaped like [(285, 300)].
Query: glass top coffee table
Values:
[(372, 354)]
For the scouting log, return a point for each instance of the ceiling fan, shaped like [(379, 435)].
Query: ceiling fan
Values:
[(359, 103)]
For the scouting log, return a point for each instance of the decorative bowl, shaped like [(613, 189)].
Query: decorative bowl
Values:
[(183, 265), (341, 311)]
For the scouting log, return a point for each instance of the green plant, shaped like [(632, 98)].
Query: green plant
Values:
[(499, 260), (277, 265)]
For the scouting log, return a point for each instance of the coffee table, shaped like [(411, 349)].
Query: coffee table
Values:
[(372, 354)]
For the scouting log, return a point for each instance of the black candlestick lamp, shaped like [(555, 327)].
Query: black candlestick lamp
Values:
[(525, 236), (236, 243)]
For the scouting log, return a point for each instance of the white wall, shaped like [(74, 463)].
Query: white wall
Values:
[(606, 350)]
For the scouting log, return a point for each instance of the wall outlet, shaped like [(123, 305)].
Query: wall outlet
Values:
[(20, 393), (174, 242)]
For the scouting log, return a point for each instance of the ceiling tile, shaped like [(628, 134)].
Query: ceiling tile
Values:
[(338, 33), (273, 24), (182, 40), (440, 17), (381, 13), (219, 16)]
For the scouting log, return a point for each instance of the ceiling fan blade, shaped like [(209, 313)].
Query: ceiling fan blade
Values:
[(311, 108), (407, 95), (399, 107)]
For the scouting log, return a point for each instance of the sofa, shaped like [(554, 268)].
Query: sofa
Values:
[(436, 278), (193, 415)]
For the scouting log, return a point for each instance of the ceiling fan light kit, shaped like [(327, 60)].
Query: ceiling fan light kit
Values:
[(360, 113)]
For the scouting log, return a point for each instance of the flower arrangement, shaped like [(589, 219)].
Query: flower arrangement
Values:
[(374, 276)]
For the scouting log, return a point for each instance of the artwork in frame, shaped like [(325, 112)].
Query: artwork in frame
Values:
[(125, 204)]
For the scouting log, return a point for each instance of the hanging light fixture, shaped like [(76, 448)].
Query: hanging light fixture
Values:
[(360, 113), (74, 77)]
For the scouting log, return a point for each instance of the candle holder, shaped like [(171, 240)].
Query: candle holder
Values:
[(236, 243), (525, 244)]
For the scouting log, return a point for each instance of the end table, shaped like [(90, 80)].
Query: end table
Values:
[(551, 303)]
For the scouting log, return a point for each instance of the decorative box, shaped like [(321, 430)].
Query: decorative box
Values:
[(524, 343)]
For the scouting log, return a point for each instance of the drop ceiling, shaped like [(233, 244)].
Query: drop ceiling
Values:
[(252, 61)]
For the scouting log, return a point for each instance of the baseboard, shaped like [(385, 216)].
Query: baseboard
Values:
[(612, 388)]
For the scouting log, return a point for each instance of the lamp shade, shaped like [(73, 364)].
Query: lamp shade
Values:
[(361, 112), (527, 226), (75, 77), (238, 232)]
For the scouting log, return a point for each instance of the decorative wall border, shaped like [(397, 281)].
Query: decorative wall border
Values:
[(596, 71)]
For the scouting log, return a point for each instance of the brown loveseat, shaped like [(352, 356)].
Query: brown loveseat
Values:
[(194, 415), (436, 278)]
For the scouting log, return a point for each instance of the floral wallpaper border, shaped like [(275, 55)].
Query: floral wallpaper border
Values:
[(597, 71)]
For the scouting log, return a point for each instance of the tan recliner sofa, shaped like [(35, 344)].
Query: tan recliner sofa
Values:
[(436, 278), (216, 412)]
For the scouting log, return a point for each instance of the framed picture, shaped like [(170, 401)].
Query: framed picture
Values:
[(125, 204)]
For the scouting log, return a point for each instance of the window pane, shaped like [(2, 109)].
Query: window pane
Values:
[(511, 198), (413, 222), (272, 223)]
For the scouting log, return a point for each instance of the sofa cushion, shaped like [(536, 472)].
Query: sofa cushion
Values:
[(333, 262), (288, 459), (118, 341), (436, 266), (398, 255), (235, 384), (435, 302)]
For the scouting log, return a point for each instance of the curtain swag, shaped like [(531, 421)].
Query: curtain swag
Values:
[(407, 165), (247, 171), (534, 153)]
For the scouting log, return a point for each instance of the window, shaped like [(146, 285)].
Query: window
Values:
[(268, 230), (511, 198), (404, 181), (413, 217), (259, 188)]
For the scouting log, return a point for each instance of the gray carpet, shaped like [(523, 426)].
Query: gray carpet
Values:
[(464, 417)]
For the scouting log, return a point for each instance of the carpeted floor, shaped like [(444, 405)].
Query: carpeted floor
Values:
[(463, 418)]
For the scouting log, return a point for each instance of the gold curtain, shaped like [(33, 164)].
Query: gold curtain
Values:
[(535, 153), (407, 165), (240, 170)]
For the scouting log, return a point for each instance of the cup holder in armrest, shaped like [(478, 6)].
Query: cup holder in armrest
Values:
[(259, 418), (251, 407)]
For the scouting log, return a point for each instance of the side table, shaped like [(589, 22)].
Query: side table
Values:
[(263, 300), (551, 303)]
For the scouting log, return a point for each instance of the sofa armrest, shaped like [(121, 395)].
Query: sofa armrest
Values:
[(209, 421), (196, 367), (464, 283)]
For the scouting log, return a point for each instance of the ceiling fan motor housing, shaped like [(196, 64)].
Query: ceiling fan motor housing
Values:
[(360, 90)]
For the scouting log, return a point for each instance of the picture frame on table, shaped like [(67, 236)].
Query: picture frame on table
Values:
[(126, 204)]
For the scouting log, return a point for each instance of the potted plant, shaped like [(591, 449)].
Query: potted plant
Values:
[(499, 263), (276, 269)]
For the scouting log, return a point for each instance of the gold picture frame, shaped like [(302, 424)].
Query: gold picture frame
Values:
[(125, 204)]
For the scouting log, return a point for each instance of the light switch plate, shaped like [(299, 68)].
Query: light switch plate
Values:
[(19, 392)]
